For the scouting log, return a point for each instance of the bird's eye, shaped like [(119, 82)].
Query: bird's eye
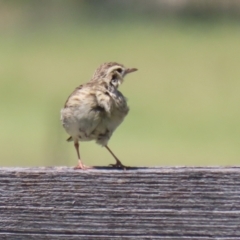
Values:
[(114, 78), (119, 70)]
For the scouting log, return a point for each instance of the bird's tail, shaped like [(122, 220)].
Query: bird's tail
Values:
[(69, 139)]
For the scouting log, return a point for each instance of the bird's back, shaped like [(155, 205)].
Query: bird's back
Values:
[(92, 111)]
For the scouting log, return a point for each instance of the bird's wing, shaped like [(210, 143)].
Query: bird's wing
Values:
[(104, 101), (85, 109), (67, 103)]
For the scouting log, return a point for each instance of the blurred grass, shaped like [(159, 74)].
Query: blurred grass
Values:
[(184, 99)]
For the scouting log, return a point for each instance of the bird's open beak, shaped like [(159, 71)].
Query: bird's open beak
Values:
[(130, 70)]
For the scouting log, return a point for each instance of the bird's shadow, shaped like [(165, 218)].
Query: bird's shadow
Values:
[(117, 168)]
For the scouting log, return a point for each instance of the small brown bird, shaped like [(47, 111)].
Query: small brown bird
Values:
[(95, 109)]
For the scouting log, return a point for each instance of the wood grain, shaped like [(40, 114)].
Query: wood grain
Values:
[(140, 203)]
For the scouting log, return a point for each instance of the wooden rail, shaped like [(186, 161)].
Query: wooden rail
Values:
[(140, 203)]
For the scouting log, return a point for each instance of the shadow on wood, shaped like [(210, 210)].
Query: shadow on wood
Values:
[(102, 203)]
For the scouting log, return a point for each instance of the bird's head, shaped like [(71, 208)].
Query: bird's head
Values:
[(114, 71)]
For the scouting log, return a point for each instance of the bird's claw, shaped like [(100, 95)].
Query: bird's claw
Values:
[(118, 165)]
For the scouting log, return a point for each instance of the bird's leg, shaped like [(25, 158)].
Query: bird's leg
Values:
[(80, 164), (118, 163)]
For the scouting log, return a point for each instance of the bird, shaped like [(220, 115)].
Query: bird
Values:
[(96, 108)]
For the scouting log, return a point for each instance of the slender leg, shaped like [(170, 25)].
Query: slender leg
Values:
[(118, 163), (80, 164)]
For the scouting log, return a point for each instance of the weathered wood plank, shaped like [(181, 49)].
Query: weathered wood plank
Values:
[(144, 203)]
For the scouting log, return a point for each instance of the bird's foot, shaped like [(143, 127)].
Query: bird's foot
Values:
[(81, 166), (118, 165)]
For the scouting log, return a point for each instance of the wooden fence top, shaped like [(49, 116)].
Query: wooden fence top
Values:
[(173, 203)]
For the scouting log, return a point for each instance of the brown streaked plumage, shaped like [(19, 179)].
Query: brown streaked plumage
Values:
[(95, 109)]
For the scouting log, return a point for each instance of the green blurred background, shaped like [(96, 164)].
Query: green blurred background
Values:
[(184, 99)]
